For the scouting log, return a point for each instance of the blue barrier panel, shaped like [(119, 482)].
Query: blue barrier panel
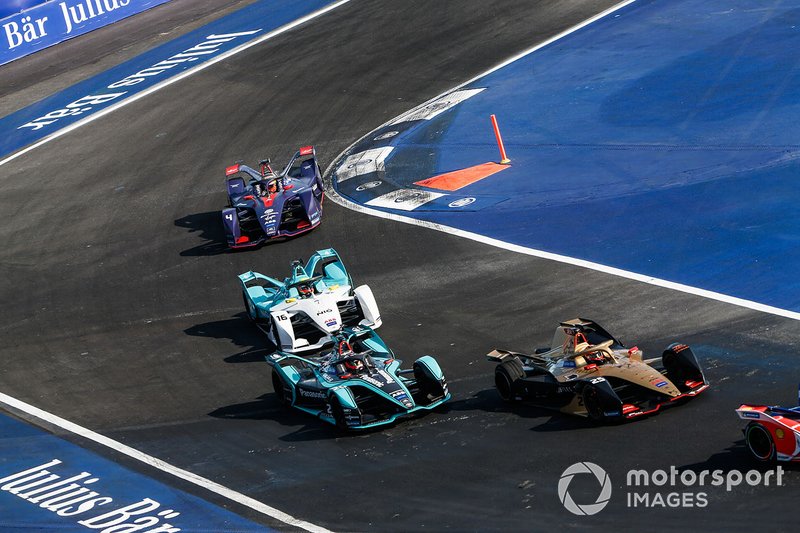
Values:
[(53, 22), (49, 484), (143, 72), (12, 7)]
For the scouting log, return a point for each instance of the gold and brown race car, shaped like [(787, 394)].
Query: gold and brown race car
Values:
[(587, 372)]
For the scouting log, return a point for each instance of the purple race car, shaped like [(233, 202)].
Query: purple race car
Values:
[(266, 205)]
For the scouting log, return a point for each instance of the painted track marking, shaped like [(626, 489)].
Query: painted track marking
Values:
[(200, 481), (170, 81), (349, 204), (711, 295), (118, 446)]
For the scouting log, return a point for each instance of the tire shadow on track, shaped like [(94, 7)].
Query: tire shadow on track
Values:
[(736, 457), (267, 407), (210, 230), (240, 332), (490, 402)]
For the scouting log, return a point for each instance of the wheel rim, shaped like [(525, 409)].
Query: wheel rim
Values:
[(760, 443)]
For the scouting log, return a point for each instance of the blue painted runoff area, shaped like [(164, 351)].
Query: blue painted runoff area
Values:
[(62, 109), (662, 139), (56, 485)]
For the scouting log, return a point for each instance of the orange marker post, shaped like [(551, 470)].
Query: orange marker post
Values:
[(504, 160)]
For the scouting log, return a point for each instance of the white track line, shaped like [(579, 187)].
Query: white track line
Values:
[(532, 251), (118, 446), (170, 81), (566, 259), (159, 464)]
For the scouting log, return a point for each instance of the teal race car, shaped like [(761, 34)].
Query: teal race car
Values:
[(357, 383), (304, 312)]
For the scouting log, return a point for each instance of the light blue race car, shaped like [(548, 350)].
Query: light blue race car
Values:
[(357, 383), (305, 311)]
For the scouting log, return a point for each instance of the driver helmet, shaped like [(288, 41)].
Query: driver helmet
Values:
[(305, 291), (595, 357), (272, 186), (354, 365)]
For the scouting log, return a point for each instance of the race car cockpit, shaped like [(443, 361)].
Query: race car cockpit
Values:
[(265, 187), (306, 287), (593, 354), (346, 363)]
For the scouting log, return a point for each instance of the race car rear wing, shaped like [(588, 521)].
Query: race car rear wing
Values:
[(498, 356)]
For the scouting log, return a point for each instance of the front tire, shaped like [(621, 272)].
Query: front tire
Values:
[(681, 365), (759, 442), (505, 375), (429, 385)]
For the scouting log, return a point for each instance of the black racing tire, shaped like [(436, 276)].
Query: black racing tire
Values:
[(759, 442), (670, 361), (681, 365), (591, 402), (431, 387), (282, 390), (505, 375), (338, 413)]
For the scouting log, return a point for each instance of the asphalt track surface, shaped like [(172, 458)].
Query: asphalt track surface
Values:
[(122, 312)]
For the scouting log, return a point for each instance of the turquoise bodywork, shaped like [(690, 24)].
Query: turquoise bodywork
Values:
[(325, 263), (340, 388)]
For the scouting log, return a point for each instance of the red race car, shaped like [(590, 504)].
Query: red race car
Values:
[(772, 432)]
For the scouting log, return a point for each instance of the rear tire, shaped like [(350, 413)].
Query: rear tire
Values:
[(282, 390), (505, 375), (759, 442)]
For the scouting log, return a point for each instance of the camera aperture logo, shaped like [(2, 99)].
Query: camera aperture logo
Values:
[(602, 498), (664, 488)]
